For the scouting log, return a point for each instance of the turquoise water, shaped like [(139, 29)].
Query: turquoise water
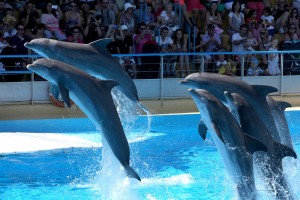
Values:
[(172, 160)]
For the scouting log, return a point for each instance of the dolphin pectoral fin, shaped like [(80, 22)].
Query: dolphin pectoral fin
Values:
[(65, 95), (283, 150), (218, 132), (253, 144), (131, 173), (264, 90), (202, 129), (101, 44), (283, 105)]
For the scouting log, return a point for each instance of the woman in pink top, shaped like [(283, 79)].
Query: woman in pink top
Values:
[(52, 22)]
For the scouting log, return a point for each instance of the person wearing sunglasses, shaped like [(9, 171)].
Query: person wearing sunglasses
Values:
[(72, 17)]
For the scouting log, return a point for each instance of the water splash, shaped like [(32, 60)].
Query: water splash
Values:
[(111, 180)]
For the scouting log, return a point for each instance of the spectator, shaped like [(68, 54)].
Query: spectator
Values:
[(254, 68), (257, 5), (169, 18), (251, 43), (52, 22), (140, 11), (235, 19), (149, 18), (91, 29), (198, 12), (214, 17), (281, 14), (166, 45), (291, 35), (87, 4), (273, 59), (17, 41), (29, 17), (268, 21), (230, 68), (39, 32), (142, 36), (106, 14), (72, 17), (265, 42), (128, 19), (211, 41), (114, 33), (76, 35), (294, 18), (180, 42), (238, 39), (252, 22), (126, 47)]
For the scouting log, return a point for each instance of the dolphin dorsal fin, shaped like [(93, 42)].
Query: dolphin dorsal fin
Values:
[(100, 45), (252, 144), (109, 84), (283, 150), (202, 129), (64, 94), (218, 131), (264, 90)]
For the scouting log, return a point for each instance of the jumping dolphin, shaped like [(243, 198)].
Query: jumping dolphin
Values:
[(92, 58), (94, 97), (216, 84), (277, 109), (269, 163), (235, 146)]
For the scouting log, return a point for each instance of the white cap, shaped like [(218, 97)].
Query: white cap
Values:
[(128, 5), (124, 27)]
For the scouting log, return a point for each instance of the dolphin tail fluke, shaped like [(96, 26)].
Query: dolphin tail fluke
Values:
[(131, 173), (283, 150)]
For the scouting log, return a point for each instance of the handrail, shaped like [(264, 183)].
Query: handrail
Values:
[(161, 70)]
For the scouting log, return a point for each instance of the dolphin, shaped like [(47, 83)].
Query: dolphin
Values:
[(92, 58), (277, 110), (269, 163), (216, 84), (94, 97), (235, 146)]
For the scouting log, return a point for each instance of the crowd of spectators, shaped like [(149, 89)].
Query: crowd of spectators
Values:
[(169, 25)]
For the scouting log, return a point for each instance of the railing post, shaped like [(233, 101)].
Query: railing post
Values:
[(32, 87), (242, 66), (281, 74), (161, 80), (202, 64)]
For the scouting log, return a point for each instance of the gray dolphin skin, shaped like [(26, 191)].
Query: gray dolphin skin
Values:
[(216, 84), (92, 58), (94, 98), (235, 147), (269, 163), (277, 109)]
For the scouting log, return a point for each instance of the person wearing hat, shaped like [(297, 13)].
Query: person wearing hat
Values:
[(126, 47), (211, 41), (128, 19)]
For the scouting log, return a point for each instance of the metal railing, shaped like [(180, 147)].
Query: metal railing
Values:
[(161, 78)]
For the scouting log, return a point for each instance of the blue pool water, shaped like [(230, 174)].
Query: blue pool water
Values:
[(172, 160)]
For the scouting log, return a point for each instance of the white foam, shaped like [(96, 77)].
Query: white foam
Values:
[(32, 142), (181, 179)]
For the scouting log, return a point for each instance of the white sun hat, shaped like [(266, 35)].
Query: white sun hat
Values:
[(128, 5)]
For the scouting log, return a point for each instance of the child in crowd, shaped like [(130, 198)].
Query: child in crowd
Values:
[(268, 21), (254, 69), (273, 60), (230, 68)]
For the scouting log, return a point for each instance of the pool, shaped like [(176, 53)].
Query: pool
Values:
[(172, 160)]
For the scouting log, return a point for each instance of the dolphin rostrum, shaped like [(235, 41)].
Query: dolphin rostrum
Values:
[(235, 146), (269, 163), (92, 58), (94, 98), (255, 95)]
